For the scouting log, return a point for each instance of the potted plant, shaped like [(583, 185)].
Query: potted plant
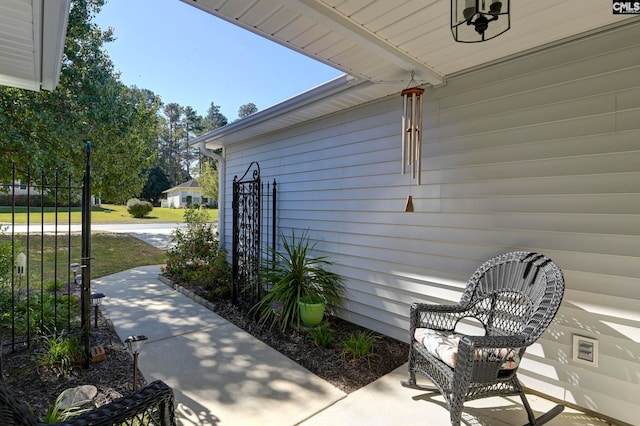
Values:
[(299, 284)]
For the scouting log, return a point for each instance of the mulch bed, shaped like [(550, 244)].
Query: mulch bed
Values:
[(331, 364), (39, 386)]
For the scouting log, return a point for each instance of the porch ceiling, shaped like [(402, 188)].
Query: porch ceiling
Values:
[(382, 42), (32, 34)]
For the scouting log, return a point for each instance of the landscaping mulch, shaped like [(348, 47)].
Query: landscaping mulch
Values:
[(39, 386), (342, 371)]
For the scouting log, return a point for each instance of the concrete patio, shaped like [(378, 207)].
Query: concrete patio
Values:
[(221, 375)]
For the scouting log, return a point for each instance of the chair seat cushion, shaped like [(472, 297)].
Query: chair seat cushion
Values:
[(444, 346)]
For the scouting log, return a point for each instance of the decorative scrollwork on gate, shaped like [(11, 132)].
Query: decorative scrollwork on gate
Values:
[(246, 238)]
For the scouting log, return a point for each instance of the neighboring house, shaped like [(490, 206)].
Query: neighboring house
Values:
[(531, 142), (19, 188), (185, 194)]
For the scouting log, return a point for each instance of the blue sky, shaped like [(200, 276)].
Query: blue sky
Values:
[(193, 58)]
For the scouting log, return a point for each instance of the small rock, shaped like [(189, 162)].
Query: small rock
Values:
[(75, 397)]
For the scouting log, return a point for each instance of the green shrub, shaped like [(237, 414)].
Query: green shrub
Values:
[(53, 285), (322, 335), (27, 314), (195, 257), (62, 352), (6, 262), (22, 200), (139, 209), (358, 346)]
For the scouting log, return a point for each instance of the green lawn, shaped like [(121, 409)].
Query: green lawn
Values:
[(110, 253), (107, 213)]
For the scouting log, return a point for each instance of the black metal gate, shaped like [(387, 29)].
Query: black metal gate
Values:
[(46, 272), (254, 233)]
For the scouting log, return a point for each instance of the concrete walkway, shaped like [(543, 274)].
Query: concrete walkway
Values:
[(221, 375)]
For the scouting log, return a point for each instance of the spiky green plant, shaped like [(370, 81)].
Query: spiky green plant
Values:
[(322, 335), (295, 274), (56, 414), (62, 351), (359, 346)]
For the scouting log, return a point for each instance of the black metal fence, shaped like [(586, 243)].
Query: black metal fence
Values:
[(254, 233), (45, 260)]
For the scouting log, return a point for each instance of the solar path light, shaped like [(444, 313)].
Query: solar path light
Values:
[(135, 344), (96, 300)]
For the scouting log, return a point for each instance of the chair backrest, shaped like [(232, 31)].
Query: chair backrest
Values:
[(516, 292)]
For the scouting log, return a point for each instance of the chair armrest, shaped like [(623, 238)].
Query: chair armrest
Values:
[(155, 399), (437, 317), (516, 341), (488, 353)]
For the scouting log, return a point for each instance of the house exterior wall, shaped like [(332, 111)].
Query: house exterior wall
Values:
[(177, 198), (539, 153)]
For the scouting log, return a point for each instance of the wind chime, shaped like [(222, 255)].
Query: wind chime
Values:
[(412, 130), (412, 135)]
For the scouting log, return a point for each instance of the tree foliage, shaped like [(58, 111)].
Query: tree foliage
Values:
[(214, 118), (208, 180), (247, 109), (45, 130), (133, 135), (157, 182)]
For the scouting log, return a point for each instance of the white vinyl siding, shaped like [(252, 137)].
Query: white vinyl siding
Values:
[(539, 153)]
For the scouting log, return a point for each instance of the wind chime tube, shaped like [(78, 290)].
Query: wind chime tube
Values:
[(412, 130), (409, 132), (413, 134), (419, 142), (404, 134)]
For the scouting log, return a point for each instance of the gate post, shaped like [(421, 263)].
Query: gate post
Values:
[(86, 256)]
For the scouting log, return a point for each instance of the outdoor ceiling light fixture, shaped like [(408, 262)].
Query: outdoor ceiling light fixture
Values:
[(412, 130), (470, 19)]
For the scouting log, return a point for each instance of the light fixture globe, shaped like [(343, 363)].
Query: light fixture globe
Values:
[(135, 343), (474, 21), (96, 299)]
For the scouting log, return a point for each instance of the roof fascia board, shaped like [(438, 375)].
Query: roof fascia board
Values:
[(55, 18), (315, 94), (343, 25), (37, 7)]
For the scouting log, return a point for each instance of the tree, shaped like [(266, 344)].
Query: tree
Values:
[(157, 182), (247, 109), (176, 156), (193, 124), (170, 145), (46, 130), (208, 180), (214, 118)]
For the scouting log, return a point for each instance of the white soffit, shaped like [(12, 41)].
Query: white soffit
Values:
[(32, 35), (382, 41)]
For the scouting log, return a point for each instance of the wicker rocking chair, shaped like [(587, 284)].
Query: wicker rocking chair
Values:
[(515, 296), (150, 405)]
